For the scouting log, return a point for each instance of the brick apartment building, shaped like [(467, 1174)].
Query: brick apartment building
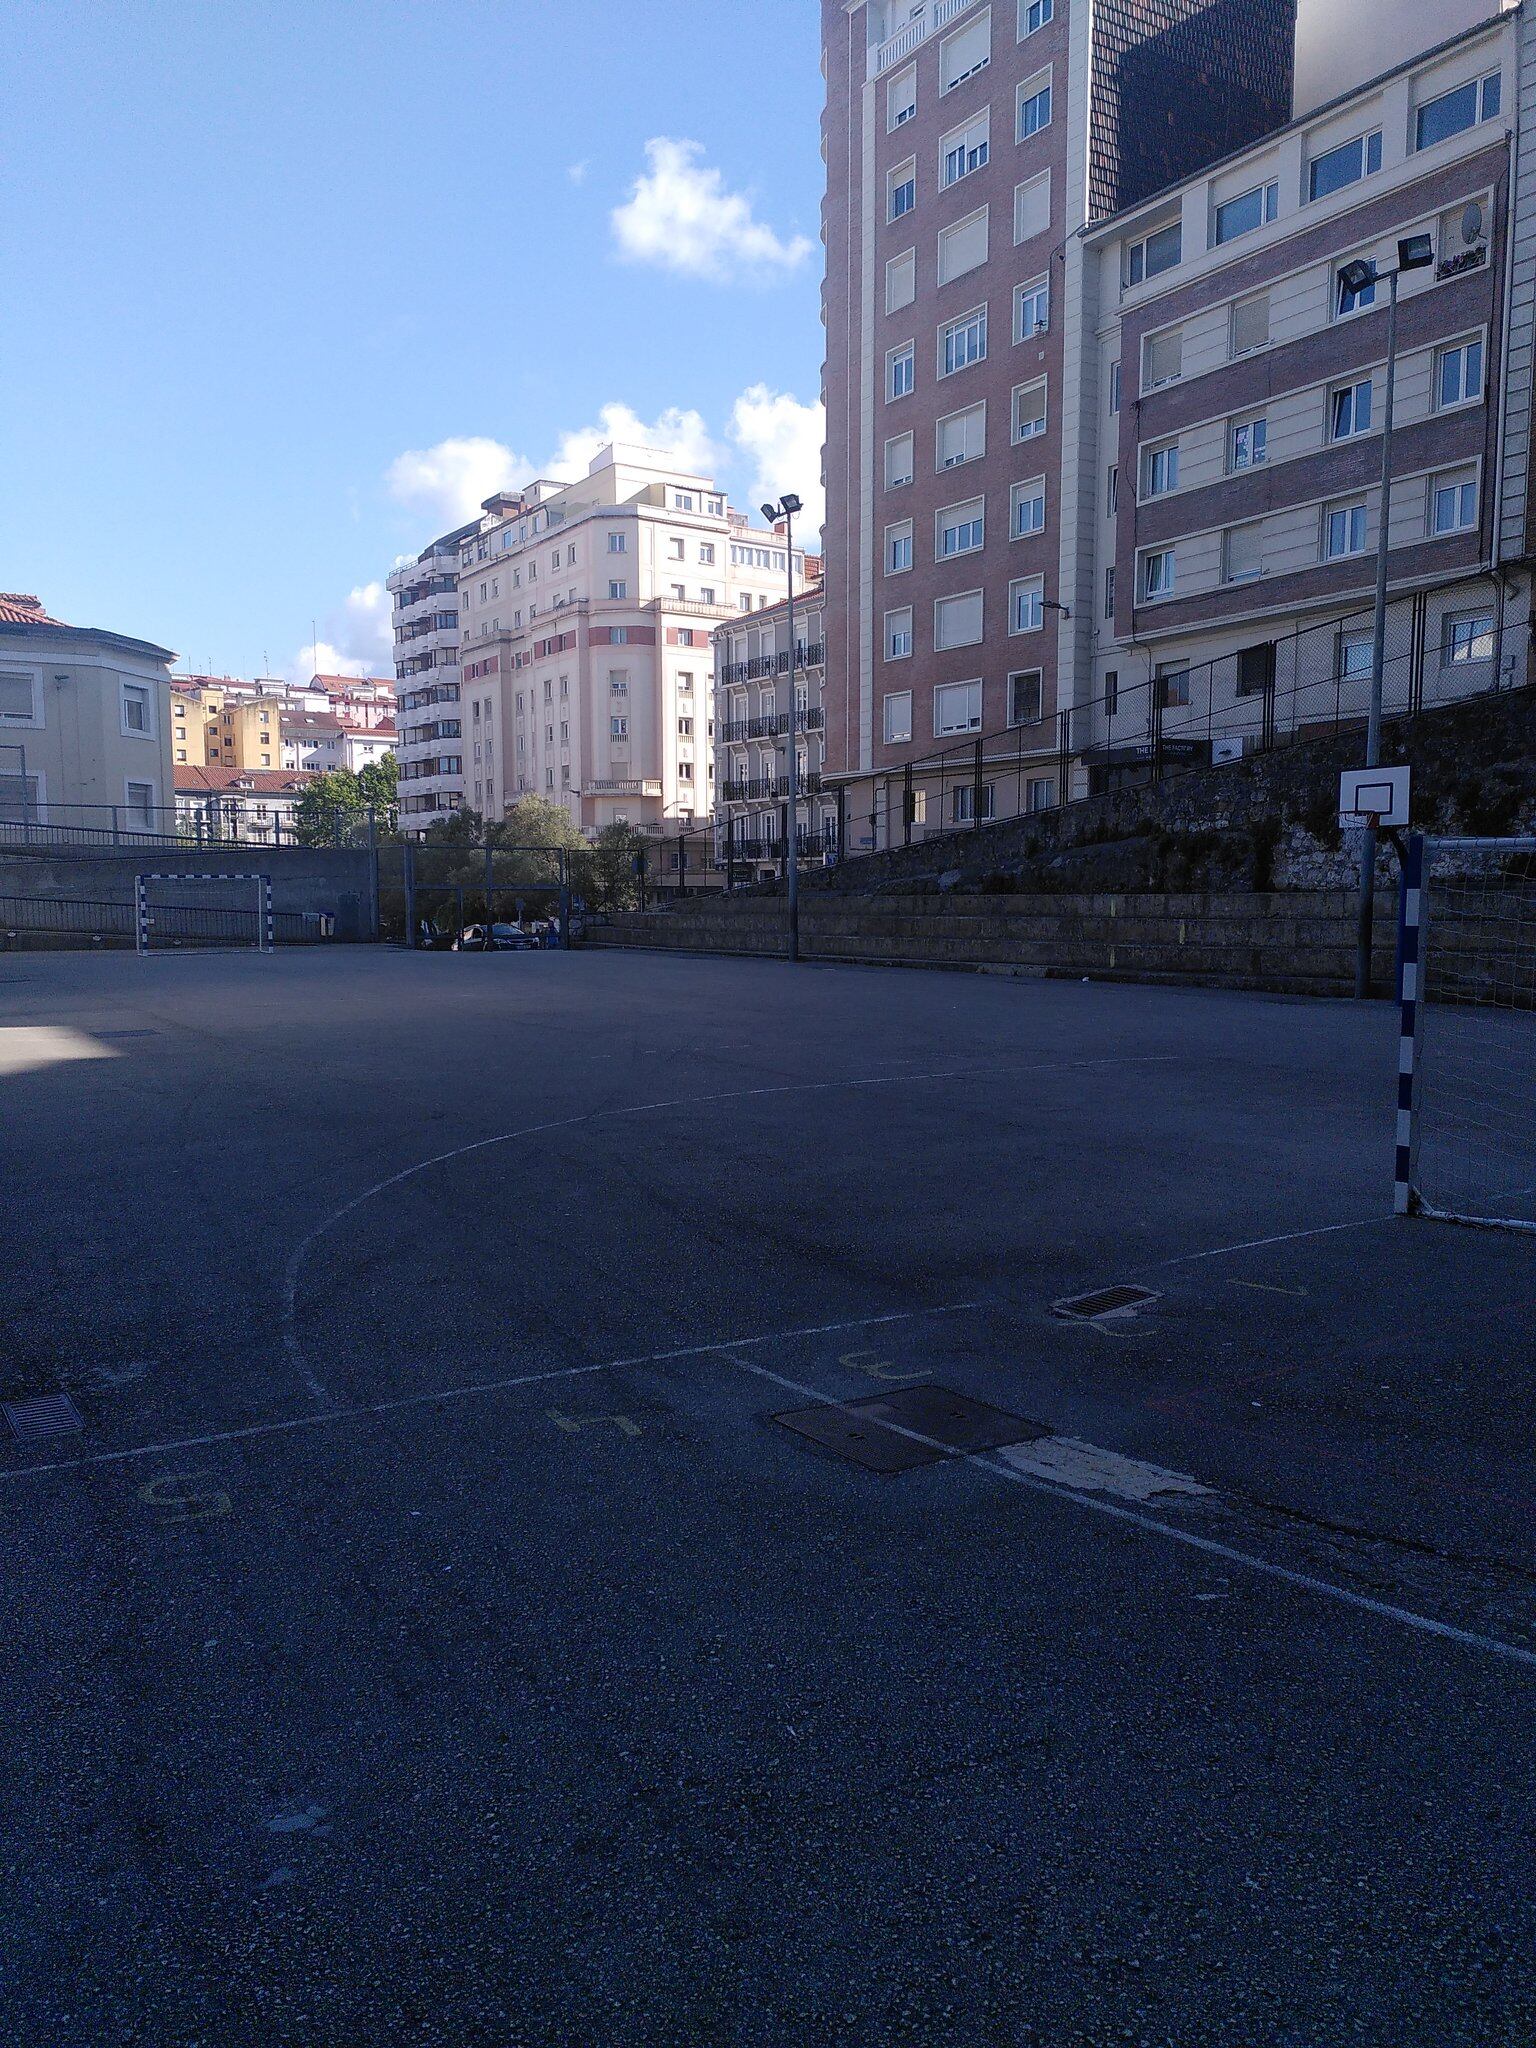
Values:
[(1102, 430)]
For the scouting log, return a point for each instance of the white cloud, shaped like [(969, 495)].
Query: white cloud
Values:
[(453, 478), (577, 173), (682, 431), (781, 439), (680, 217), (361, 641)]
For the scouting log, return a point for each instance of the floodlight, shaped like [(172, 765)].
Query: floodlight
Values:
[(1415, 252)]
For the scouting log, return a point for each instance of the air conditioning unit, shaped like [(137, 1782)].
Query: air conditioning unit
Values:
[(1228, 750)]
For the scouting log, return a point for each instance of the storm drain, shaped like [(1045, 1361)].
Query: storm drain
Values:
[(1104, 1301), (883, 1433), (42, 1415)]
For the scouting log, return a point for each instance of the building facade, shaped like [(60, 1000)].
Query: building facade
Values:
[(1222, 581), (85, 727), (965, 142), (1104, 426), (247, 804), (430, 737), (751, 728), (587, 612)]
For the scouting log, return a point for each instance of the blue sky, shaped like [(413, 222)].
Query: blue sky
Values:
[(288, 284)]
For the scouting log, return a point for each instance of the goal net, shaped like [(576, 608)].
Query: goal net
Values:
[(1467, 1066), (199, 911)]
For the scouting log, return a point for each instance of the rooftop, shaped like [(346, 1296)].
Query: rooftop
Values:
[(255, 781), (18, 609)]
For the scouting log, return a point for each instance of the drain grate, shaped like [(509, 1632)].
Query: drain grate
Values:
[(1104, 1301), (42, 1415), (871, 1432)]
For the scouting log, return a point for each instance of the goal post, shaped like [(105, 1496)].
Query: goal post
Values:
[(174, 910), (1466, 1083)]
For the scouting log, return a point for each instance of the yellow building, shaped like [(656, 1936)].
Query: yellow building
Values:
[(215, 726)]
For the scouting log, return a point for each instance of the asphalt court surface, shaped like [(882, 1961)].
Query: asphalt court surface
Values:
[(431, 1635)]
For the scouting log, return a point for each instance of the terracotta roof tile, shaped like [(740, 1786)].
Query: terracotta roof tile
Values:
[(19, 609)]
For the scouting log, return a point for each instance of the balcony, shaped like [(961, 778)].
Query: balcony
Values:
[(939, 14), (620, 786)]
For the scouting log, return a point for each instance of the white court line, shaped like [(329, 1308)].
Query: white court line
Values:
[(1208, 1544), (1254, 1244), (417, 1400), (293, 1271)]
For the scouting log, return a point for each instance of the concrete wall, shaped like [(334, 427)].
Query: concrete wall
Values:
[(1297, 942), (303, 878)]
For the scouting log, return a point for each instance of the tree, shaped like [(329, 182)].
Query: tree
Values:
[(329, 810), (379, 786), (605, 873)]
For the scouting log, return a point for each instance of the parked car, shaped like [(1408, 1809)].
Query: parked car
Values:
[(495, 938)]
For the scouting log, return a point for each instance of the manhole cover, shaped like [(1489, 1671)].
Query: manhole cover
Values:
[(43, 1415), (885, 1432), (1104, 1301)]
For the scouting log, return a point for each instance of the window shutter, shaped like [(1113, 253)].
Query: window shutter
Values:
[(957, 620), (1245, 552), (900, 282), (962, 437), (965, 51), (1165, 356), (1032, 207), (1250, 324), (963, 246)]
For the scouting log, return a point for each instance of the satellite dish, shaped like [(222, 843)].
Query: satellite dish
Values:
[(1471, 222)]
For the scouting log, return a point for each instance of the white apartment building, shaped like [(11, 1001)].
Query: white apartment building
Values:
[(751, 728), (585, 615), (321, 741), (429, 740)]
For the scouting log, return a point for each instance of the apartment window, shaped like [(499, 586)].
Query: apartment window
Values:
[(1345, 164), (1344, 530), (898, 635), (1034, 14), (618, 635), (136, 718), (956, 708), (1158, 570), (898, 548), (957, 620), (1031, 308), (1026, 508), (1250, 325), (684, 682), (707, 553), (962, 803), (140, 798), (962, 247), (1242, 552), (961, 437), (962, 529), (685, 636), (964, 150), (966, 52), (1465, 637), (1024, 696), (1349, 410), (1249, 210), (901, 370), (1034, 105), (1356, 655), (1453, 503), (898, 461), (901, 189), (618, 590), (685, 728), (1449, 113), (675, 548), (1256, 669), (1112, 491), (1172, 685), (1348, 300), (1032, 207), (1160, 469), (1249, 442), (679, 592), (962, 342), (898, 717), (1040, 793), (1154, 253), (900, 281), (1111, 692), (1029, 413), (901, 99), (1026, 604), (1109, 591), (1459, 374), (1162, 358)]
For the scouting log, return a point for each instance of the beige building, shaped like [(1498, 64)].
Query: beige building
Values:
[(226, 722), (751, 728), (84, 723), (586, 613)]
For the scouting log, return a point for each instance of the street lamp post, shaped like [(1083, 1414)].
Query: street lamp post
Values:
[(786, 509), (1414, 252)]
